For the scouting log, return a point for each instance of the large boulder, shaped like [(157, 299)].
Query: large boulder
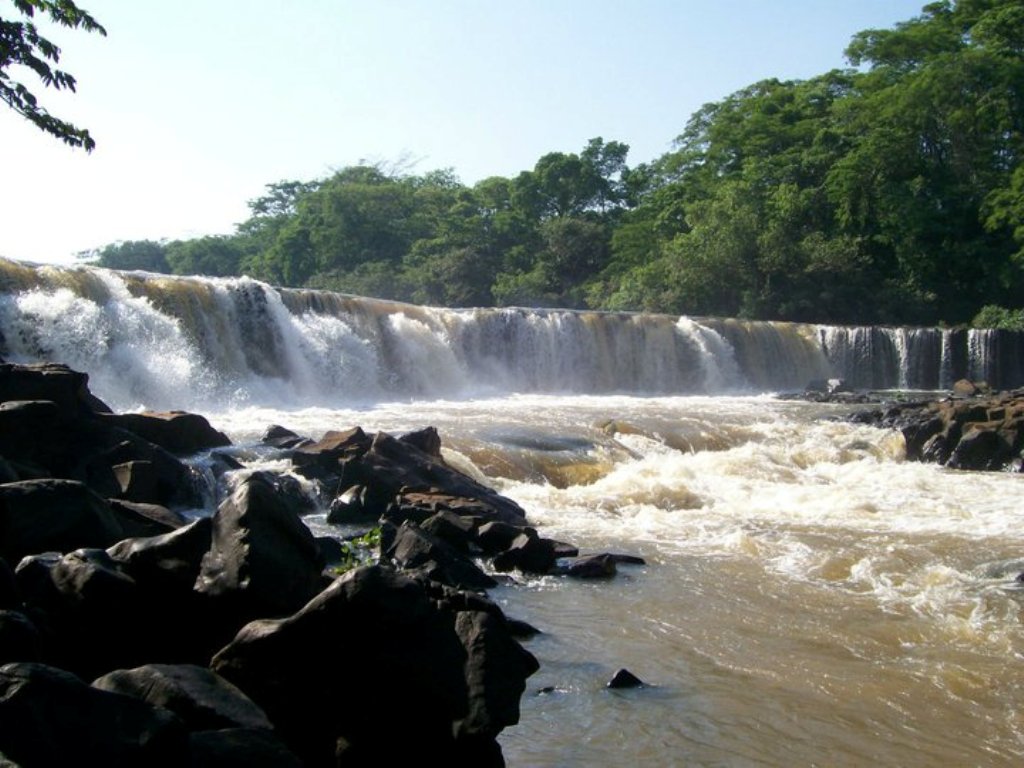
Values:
[(92, 614), (50, 717), (263, 561), (66, 388), (59, 515), (397, 466), (202, 699), (379, 653), (178, 432)]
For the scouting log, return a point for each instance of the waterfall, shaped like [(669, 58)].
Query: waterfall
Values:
[(158, 341)]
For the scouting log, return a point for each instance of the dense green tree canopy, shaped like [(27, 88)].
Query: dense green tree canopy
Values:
[(892, 191), (22, 46)]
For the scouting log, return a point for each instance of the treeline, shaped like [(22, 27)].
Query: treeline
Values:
[(890, 192)]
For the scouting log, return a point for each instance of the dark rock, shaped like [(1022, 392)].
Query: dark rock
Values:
[(280, 437), (19, 638), (140, 519), (564, 549), (289, 490), (527, 553), (414, 549), (50, 717), (495, 537), (625, 679), (263, 560), (178, 432), (407, 636), (48, 515), (981, 448), (521, 629), (325, 459), (426, 440), (182, 625), (331, 549), (67, 389), (169, 563), (455, 530), (421, 505), (239, 748), (202, 699), (592, 567), (395, 466), (621, 559), (358, 505), (93, 613)]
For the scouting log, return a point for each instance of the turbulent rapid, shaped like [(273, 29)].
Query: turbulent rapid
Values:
[(810, 597)]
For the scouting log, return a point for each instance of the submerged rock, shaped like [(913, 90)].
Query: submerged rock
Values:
[(625, 679)]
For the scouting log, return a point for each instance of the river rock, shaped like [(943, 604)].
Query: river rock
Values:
[(399, 467), (414, 549), (625, 679), (449, 682), (50, 717), (263, 560), (527, 553), (202, 699), (591, 567), (92, 614), (178, 432), (990, 430), (59, 384), (61, 515)]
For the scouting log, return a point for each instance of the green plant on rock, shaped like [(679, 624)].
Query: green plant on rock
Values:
[(358, 550)]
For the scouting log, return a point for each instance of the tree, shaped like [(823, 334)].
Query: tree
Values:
[(21, 45)]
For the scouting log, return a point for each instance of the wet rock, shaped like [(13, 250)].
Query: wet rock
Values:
[(398, 467), (53, 515), (279, 437), (455, 530), (59, 384), (50, 717), (358, 505), (495, 537), (451, 681), (167, 564), (414, 549), (591, 567), (9, 597), (621, 559), (427, 440), (528, 553), (178, 432), (625, 679), (263, 560), (981, 433), (326, 458), (92, 614), (202, 699), (141, 519), (521, 629)]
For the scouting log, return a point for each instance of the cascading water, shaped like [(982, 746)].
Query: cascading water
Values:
[(811, 597), (193, 343)]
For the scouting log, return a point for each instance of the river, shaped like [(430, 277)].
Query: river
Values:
[(809, 597)]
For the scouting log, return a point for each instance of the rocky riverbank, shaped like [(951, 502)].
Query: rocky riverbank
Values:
[(970, 429), (136, 630)]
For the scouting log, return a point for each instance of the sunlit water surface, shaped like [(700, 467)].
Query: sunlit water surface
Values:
[(809, 598)]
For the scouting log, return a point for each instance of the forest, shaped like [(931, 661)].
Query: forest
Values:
[(891, 191)]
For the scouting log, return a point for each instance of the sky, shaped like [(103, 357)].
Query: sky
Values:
[(196, 105)]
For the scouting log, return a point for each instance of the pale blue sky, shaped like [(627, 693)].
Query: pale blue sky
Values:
[(196, 104)]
